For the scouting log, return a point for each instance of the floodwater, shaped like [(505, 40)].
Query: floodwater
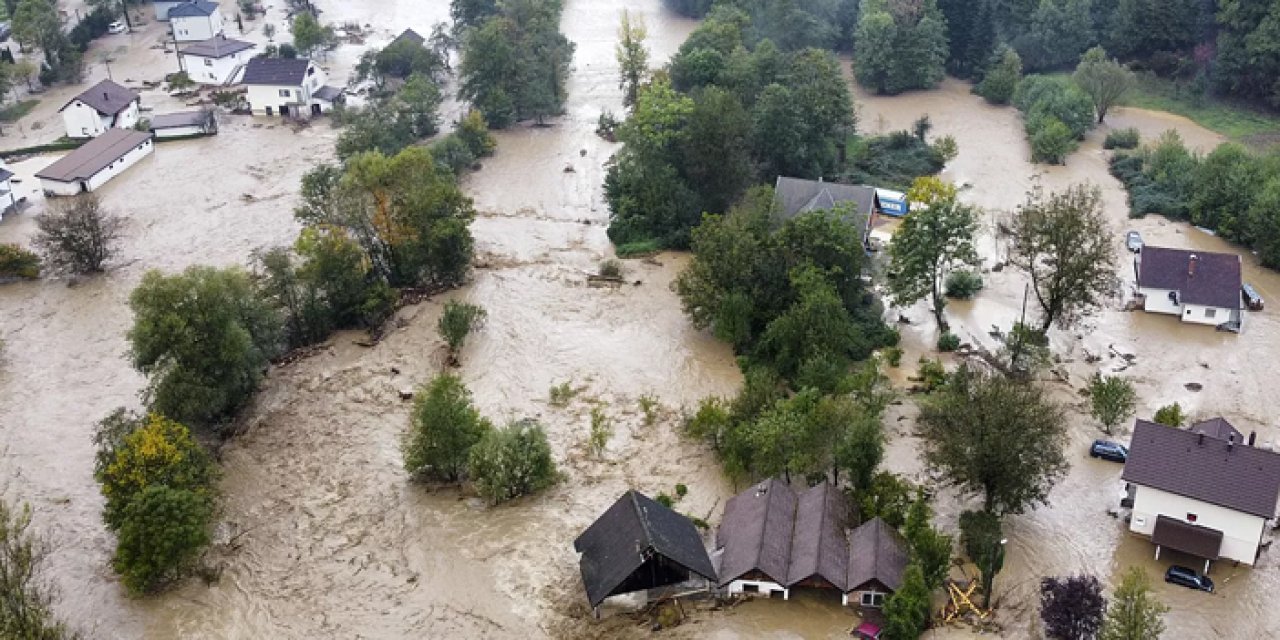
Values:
[(320, 533)]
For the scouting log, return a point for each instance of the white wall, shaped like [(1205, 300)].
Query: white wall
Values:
[(190, 28), (178, 132), (1241, 532), (855, 597), (129, 159), (129, 117), (215, 71), (763, 587), (1196, 313), (299, 100), (1157, 301), (83, 121)]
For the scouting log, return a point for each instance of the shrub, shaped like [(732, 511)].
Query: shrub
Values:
[(601, 431), (511, 462), (681, 491), (76, 235), (948, 342), (638, 248), (443, 428), (16, 262), (160, 537), (457, 321), (1051, 140), (649, 407), (932, 374), (26, 599), (1170, 415), (665, 500), (963, 285), (611, 269), (894, 356), (1122, 139)]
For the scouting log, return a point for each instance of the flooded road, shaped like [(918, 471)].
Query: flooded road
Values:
[(323, 537)]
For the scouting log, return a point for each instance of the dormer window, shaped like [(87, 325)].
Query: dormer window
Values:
[(1191, 517)]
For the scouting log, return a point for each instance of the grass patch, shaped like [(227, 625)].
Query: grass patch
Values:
[(15, 111), (639, 249), (1230, 119)]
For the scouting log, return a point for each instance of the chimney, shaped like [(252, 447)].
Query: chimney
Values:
[(1231, 442), (1191, 265), (1200, 439), (1253, 436), (106, 96)]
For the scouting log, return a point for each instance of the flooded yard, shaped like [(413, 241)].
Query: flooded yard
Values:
[(324, 535)]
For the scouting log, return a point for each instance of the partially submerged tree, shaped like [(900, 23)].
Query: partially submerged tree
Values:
[(1134, 614), (26, 600), (1002, 77), (1105, 80), (511, 462), (633, 57), (443, 429), (1170, 415), (929, 547), (934, 239), (1071, 607), (984, 542), (76, 235), (906, 611), (996, 437), (1063, 242), (1112, 400), (456, 322), (161, 536)]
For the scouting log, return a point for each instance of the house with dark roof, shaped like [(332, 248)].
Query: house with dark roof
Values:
[(819, 544), (162, 7), (195, 20), (637, 545), (184, 124), (753, 542), (1197, 286), (858, 205), (94, 163), (877, 561), (1201, 491), (217, 60), (288, 87), (103, 106), (410, 36)]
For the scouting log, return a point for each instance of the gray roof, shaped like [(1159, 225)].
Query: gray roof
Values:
[(1217, 428), (876, 553), (179, 119), (107, 97), (409, 35), (1238, 477), (819, 548), (755, 532), (197, 8), (1186, 537), (217, 47), (797, 195), (327, 93), (94, 155), (5, 174), (1212, 279), (282, 72), (632, 534)]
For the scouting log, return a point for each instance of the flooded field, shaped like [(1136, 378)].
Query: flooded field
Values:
[(322, 535)]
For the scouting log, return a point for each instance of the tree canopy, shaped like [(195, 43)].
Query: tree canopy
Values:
[(515, 63), (936, 238), (443, 429), (1103, 79), (1072, 607), (1134, 612)]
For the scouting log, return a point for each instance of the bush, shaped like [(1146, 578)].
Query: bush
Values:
[(26, 599), (443, 428), (893, 355), (963, 285), (162, 532), (611, 269), (932, 374), (948, 342), (16, 262), (601, 431), (1122, 139), (562, 393), (665, 500), (76, 235), (511, 462), (681, 490), (456, 323), (1051, 140), (1170, 415), (638, 248)]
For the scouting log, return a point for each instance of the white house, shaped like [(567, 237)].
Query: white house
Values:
[(7, 198), (103, 106), (162, 7), (197, 20), (184, 124), (1203, 491), (217, 60), (99, 160), (288, 87), (1197, 286)]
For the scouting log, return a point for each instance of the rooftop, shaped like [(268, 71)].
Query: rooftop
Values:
[(86, 161), (1231, 475), (179, 119), (819, 548), (876, 553), (408, 35), (755, 532), (107, 97), (282, 72), (797, 196), (1200, 277), (196, 8), (217, 47)]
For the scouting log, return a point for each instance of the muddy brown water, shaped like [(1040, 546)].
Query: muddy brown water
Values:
[(322, 535)]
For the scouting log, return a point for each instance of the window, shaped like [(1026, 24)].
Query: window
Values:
[(1209, 313), (285, 93), (872, 599), (1191, 517), (751, 588), (311, 71), (208, 62)]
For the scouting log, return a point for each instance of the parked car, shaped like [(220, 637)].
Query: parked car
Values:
[(867, 631), (116, 27), (1108, 450), (1133, 240), (1188, 578), (1251, 297)]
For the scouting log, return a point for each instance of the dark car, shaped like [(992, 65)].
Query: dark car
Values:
[(1251, 297), (1188, 578), (1133, 241), (1108, 450)]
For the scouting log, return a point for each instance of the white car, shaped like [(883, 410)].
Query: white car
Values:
[(116, 27)]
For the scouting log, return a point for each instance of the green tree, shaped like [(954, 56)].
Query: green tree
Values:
[(633, 57), (983, 542), (137, 454), (1134, 614), (1225, 185), (906, 611), (36, 24), (1170, 415), (996, 437), (1112, 400), (900, 45), (1002, 76), (203, 338), (306, 315), (336, 266), (889, 497), (930, 549), (1058, 31), (443, 429), (456, 322), (417, 105), (1103, 79), (860, 440), (162, 532), (26, 602), (933, 240), (307, 32), (515, 65), (511, 462), (1051, 141), (1072, 607)]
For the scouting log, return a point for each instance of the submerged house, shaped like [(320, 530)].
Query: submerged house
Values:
[(754, 539), (99, 108), (288, 87), (1202, 491), (1197, 286), (184, 124), (195, 20), (877, 561), (636, 545), (99, 160), (860, 204)]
